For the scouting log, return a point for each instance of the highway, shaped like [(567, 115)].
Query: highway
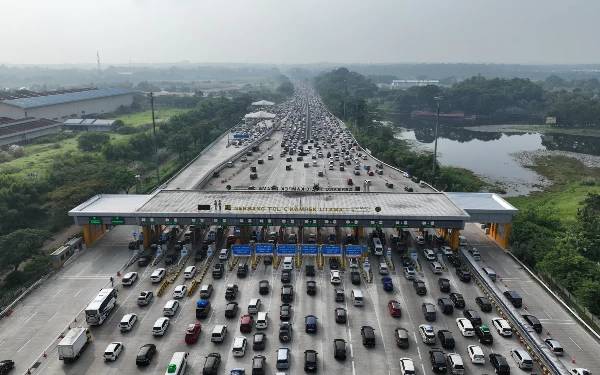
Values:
[(36, 324)]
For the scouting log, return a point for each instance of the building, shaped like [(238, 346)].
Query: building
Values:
[(25, 129), (88, 125), (64, 104), (406, 83)]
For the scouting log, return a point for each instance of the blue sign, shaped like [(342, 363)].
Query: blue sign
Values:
[(286, 249), (331, 250), (241, 136), (163, 237), (141, 236), (263, 249), (134, 234), (240, 250), (309, 249), (353, 251)]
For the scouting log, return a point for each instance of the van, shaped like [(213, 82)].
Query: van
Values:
[(435, 267), (357, 297), (288, 263), (522, 358), (218, 333), (455, 363), (170, 307), (462, 241), (514, 298), (475, 253), (189, 272), (283, 358), (160, 326), (127, 322), (178, 364), (261, 320), (158, 275), (490, 272), (254, 306), (224, 254), (383, 269)]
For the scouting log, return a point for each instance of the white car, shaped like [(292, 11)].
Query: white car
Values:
[(580, 371), (353, 263), (335, 277), (447, 250), (160, 326), (180, 291), (244, 158), (239, 346), (407, 366), (476, 354), (331, 168), (427, 333), (127, 322), (112, 351), (270, 157), (429, 254), (420, 240), (406, 174), (502, 327), (465, 326), (129, 278)]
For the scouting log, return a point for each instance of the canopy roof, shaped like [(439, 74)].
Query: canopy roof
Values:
[(263, 102), (260, 114)]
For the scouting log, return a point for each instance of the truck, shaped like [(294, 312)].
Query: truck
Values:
[(71, 346)]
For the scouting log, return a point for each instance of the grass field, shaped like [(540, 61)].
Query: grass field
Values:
[(141, 118), (572, 182), (550, 129)]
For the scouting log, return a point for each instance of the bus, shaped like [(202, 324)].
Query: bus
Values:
[(178, 364), (377, 246), (101, 306)]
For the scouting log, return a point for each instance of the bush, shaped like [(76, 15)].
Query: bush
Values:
[(56, 146), (16, 151), (5, 157), (128, 129), (92, 141), (53, 138)]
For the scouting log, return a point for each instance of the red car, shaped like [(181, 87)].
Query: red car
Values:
[(192, 333), (348, 162), (371, 173), (246, 323), (341, 168), (394, 307), (231, 240)]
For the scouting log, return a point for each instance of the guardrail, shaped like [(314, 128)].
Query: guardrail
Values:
[(542, 355), (8, 310)]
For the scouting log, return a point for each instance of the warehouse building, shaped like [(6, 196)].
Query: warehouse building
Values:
[(58, 105), (88, 125), (23, 130)]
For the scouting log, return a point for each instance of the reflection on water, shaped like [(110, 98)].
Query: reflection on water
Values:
[(488, 153)]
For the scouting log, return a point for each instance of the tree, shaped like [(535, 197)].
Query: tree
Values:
[(117, 124), (21, 245), (179, 142), (589, 294), (198, 94), (123, 179), (92, 141)]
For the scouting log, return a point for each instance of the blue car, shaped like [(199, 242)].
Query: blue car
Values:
[(387, 283), (311, 323)]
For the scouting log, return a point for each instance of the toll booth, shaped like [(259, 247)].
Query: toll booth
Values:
[(63, 253)]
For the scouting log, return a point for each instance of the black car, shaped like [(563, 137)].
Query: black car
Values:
[(286, 276), (242, 270), (499, 364), (144, 260), (285, 312), (310, 323), (211, 364), (287, 293), (259, 363), (309, 270), (218, 270), (463, 274), (420, 287), (285, 331), (6, 365), (231, 310), (454, 260), (445, 305), (457, 300), (438, 360), (340, 315), (339, 348), (311, 288), (259, 341), (446, 339), (533, 322), (401, 335), (334, 264), (263, 287), (484, 334), (310, 360), (473, 317), (144, 356), (231, 292), (355, 277), (406, 261), (444, 284), (368, 335), (268, 260), (484, 304)]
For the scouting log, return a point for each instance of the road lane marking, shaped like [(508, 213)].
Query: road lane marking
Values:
[(418, 350), (97, 257), (77, 293), (56, 313), (526, 291), (23, 345), (99, 272), (30, 317), (57, 292), (508, 273), (351, 351), (575, 343), (354, 371), (547, 314), (115, 256)]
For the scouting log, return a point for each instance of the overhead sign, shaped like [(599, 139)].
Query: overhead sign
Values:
[(263, 249), (241, 250), (376, 224), (95, 220), (220, 221), (265, 222), (147, 221), (300, 209), (401, 224), (171, 221), (309, 249), (332, 250), (288, 223), (198, 222), (241, 136), (245, 222), (286, 249), (353, 251), (310, 223), (117, 220), (428, 224), (330, 222), (350, 223)]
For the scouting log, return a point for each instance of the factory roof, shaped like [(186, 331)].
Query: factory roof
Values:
[(66, 97), (9, 127)]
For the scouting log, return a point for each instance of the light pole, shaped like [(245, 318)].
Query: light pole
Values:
[(345, 95), (438, 99), (356, 113), (155, 147)]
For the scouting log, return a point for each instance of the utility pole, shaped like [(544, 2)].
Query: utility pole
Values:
[(345, 95), (154, 132), (438, 99), (356, 113)]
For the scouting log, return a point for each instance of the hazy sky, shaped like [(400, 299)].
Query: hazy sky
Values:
[(299, 31)]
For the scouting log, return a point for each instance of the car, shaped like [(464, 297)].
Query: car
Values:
[(192, 333), (231, 309), (206, 291), (340, 315), (310, 360), (311, 287), (129, 278), (428, 310), (420, 240), (446, 339), (263, 287), (457, 300), (285, 331), (420, 287), (554, 346), (445, 306), (259, 341), (286, 276), (353, 263), (211, 364), (309, 270), (287, 293), (127, 322), (334, 263), (244, 158), (180, 291), (499, 363), (429, 254), (355, 277), (160, 326), (465, 326), (484, 334), (310, 322), (580, 371), (427, 333), (533, 322), (454, 260), (268, 260), (476, 354), (446, 250), (368, 335), (438, 360), (144, 260), (463, 274), (145, 297), (336, 277), (246, 323), (144, 356), (231, 292), (239, 346), (444, 285), (112, 351), (394, 308), (285, 312), (407, 366), (401, 336), (339, 348), (502, 327), (473, 317), (484, 304)]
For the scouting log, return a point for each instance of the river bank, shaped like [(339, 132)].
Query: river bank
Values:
[(543, 129)]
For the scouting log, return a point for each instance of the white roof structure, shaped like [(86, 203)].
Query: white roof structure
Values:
[(260, 114), (263, 103)]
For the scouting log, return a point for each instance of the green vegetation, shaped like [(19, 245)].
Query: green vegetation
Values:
[(145, 117), (561, 130)]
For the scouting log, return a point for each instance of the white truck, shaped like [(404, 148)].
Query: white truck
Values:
[(71, 346)]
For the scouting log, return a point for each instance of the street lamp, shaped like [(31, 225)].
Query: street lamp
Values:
[(138, 184), (438, 99)]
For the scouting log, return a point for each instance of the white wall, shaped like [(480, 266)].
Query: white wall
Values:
[(21, 137), (11, 111)]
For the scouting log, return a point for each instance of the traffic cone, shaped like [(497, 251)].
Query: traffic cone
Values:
[(521, 340), (69, 327), (506, 286), (548, 333), (525, 308), (75, 320), (573, 360), (118, 273), (45, 354), (62, 336), (29, 371)]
